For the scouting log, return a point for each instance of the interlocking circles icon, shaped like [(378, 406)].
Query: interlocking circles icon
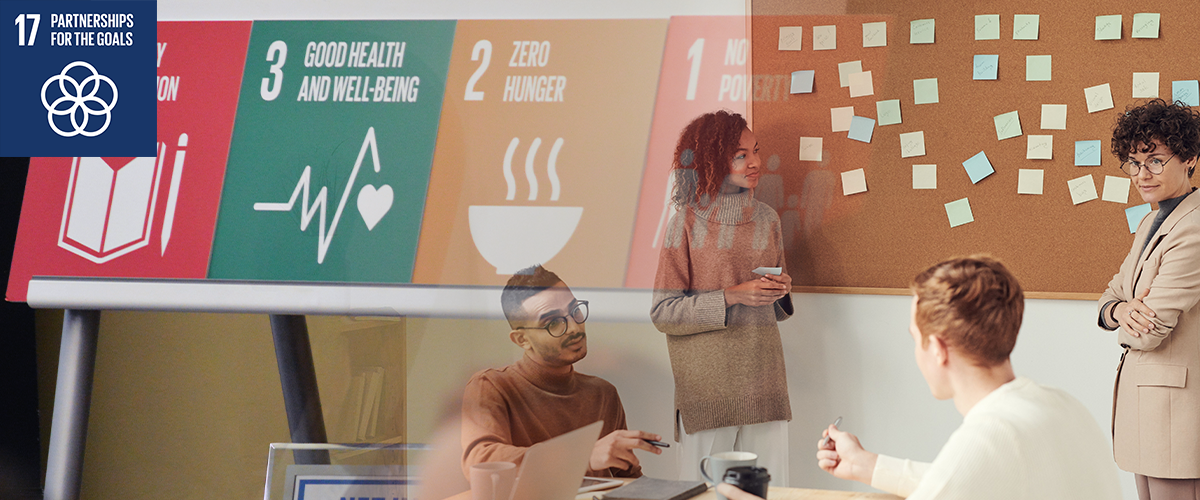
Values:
[(80, 100)]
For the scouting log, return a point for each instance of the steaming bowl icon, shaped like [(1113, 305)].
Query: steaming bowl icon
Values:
[(512, 238)]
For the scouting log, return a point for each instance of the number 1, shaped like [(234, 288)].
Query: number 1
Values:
[(20, 22), (694, 54)]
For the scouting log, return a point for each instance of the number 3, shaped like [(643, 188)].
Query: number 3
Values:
[(270, 89), (485, 47)]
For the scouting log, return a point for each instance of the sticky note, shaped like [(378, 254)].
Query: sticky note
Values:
[(791, 37), (1054, 116), (1037, 68), (912, 144), (1025, 27), (875, 34), (1116, 189), (853, 182), (986, 66), (987, 27), (1145, 85), (888, 112), (861, 128), (846, 69), (920, 31), (861, 85), (978, 167), (1087, 153), (802, 81), (925, 91), (1082, 189), (810, 149), (1134, 216), (1145, 25), (924, 176), (1029, 181), (1099, 98), (1040, 147), (840, 117), (824, 37), (1187, 91), (1108, 27), (959, 212), (1008, 125)]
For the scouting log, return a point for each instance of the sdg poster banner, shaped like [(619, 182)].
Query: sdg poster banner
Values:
[(77, 78), (149, 216), (331, 152)]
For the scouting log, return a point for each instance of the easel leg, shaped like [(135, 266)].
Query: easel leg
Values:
[(299, 380), (72, 400)]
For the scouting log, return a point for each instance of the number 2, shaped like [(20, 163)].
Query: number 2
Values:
[(272, 85), (694, 54), (485, 47)]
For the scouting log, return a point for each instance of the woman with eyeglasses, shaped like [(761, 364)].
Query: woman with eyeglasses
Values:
[(1153, 302), (717, 307)]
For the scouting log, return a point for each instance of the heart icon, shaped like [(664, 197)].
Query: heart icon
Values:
[(373, 203)]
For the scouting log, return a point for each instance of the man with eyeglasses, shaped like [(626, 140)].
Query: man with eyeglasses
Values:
[(541, 396), (1153, 303)]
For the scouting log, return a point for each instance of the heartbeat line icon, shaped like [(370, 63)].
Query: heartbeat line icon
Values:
[(372, 203)]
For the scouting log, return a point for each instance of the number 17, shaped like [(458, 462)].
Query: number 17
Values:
[(20, 22)]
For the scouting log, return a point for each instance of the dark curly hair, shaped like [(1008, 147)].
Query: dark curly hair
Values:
[(703, 156), (1175, 124)]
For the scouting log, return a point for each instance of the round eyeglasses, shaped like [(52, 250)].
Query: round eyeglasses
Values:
[(1154, 165), (557, 327)]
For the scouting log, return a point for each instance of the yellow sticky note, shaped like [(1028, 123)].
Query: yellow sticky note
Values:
[(875, 34), (920, 31), (959, 212), (912, 144), (824, 37), (1054, 116), (1099, 98), (846, 69), (987, 27), (1025, 27), (1040, 147), (1082, 189), (925, 91), (1008, 125), (791, 37), (841, 118), (924, 176), (854, 182), (1108, 27), (1116, 189), (1037, 68), (1029, 181), (810, 148), (1145, 85), (861, 85)]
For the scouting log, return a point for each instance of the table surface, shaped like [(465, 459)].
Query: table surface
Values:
[(772, 494)]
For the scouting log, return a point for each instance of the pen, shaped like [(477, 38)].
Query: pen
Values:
[(835, 424), (659, 444)]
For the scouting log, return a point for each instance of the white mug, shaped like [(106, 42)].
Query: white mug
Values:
[(493, 480), (720, 462)]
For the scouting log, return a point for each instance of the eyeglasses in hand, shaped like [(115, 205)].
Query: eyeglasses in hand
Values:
[(557, 327)]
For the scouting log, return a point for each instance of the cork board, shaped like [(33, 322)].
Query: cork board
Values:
[(876, 241)]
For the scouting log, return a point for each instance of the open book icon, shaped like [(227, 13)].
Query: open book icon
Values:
[(109, 206)]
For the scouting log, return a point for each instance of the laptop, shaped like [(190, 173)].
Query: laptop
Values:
[(553, 469)]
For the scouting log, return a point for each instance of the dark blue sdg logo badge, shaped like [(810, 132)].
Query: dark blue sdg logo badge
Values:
[(79, 101)]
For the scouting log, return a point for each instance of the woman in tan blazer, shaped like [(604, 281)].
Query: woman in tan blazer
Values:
[(1152, 302)]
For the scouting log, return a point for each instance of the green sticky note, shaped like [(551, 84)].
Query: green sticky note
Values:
[(1008, 125), (888, 112), (1108, 27), (1037, 68), (1145, 25), (987, 27), (326, 177), (920, 31), (1025, 27), (959, 212), (925, 91)]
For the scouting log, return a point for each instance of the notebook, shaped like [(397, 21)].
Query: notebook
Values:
[(553, 469), (648, 488)]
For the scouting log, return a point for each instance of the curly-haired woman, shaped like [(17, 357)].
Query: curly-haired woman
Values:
[(1154, 304), (719, 315)]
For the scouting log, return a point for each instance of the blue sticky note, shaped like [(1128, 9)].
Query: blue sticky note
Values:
[(1134, 216), (986, 66), (1187, 91), (978, 167), (861, 128), (1087, 153)]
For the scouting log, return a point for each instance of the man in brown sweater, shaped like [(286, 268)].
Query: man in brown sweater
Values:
[(541, 396)]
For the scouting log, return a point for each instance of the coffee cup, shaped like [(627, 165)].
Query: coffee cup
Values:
[(493, 480), (718, 463)]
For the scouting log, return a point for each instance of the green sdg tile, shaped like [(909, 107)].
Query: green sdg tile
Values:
[(331, 151)]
